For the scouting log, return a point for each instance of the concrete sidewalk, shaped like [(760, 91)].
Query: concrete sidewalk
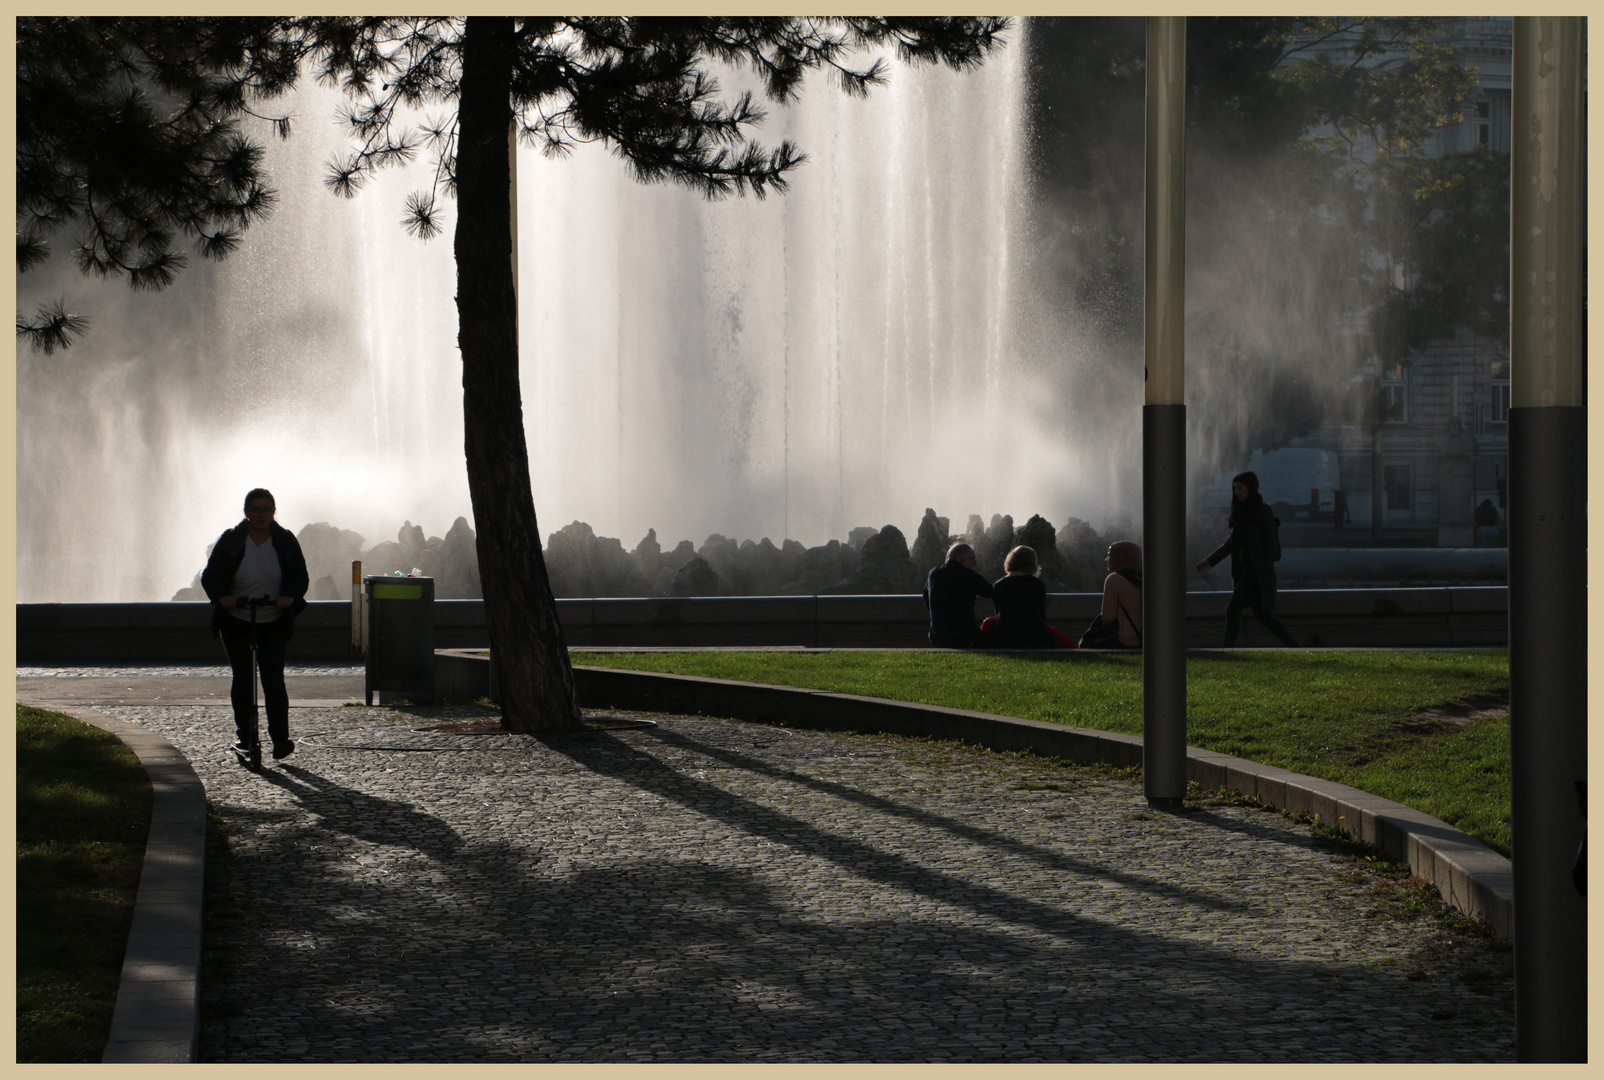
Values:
[(705, 890)]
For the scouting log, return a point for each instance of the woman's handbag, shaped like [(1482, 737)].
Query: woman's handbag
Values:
[(1101, 635)]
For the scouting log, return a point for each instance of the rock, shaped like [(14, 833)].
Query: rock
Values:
[(696, 578), (330, 551), (1081, 557), (648, 556), (383, 560), (580, 563), (884, 566), (457, 575), (930, 543), (193, 591), (412, 543), (993, 546), (1038, 533), (857, 536)]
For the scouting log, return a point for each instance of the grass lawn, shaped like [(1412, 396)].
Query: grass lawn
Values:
[(83, 814), (1352, 717)]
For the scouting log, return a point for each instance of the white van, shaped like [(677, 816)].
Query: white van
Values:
[(1297, 481)]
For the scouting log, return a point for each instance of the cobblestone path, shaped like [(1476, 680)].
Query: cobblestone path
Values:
[(706, 890)]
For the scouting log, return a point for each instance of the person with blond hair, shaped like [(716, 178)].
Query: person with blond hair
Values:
[(1021, 601)]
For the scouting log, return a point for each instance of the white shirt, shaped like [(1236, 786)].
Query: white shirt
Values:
[(259, 574)]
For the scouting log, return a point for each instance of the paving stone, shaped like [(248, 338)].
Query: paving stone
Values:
[(705, 890)]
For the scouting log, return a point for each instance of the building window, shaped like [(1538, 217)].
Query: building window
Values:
[(1395, 394), (1396, 484), (1484, 123), (1500, 409)]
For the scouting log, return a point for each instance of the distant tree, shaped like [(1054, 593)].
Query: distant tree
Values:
[(1307, 181), (641, 85)]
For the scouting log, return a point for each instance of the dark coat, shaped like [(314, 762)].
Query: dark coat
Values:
[(950, 594), (229, 551), (1252, 569), (1021, 601)]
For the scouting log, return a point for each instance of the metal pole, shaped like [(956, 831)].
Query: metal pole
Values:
[(1548, 541), (1164, 421)]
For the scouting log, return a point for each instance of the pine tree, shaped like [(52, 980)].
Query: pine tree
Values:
[(641, 85)]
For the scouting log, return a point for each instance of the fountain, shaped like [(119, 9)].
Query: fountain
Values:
[(849, 353)]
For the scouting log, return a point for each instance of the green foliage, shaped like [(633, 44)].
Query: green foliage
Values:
[(1343, 716), (123, 137), (1376, 110), (83, 813), (1284, 214), (128, 126)]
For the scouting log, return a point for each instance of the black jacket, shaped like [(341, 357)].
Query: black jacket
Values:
[(1021, 601), (950, 593), (229, 551), (1249, 548)]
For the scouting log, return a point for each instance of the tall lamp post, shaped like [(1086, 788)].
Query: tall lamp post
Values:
[(1547, 507), (1164, 421)]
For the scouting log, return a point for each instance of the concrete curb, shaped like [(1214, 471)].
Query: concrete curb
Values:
[(157, 1017), (1473, 879)]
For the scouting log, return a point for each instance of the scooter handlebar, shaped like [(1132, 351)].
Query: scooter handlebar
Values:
[(254, 601)]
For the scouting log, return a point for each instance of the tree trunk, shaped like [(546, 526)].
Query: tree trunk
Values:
[(536, 681)]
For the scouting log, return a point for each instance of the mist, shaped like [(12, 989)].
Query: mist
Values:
[(929, 317)]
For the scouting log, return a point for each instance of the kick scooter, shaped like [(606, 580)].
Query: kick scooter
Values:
[(250, 755)]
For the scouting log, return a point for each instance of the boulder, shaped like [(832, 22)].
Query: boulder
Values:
[(993, 546), (930, 543), (330, 551), (696, 578), (457, 576)]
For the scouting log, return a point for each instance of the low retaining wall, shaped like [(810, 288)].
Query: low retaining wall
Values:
[(1473, 879), (178, 632)]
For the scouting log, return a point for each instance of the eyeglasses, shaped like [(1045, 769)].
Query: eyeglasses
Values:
[(260, 509)]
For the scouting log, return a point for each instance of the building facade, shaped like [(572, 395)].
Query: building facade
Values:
[(1442, 450)]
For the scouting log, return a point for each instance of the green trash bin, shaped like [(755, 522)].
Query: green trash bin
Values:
[(399, 637)]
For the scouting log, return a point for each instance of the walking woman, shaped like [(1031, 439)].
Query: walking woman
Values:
[(1252, 566), (257, 557)]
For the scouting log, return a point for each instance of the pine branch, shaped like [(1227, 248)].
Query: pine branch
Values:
[(52, 328)]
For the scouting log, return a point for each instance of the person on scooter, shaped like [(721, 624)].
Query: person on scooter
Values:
[(258, 557)]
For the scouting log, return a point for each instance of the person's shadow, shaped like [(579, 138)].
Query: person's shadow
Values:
[(366, 817)]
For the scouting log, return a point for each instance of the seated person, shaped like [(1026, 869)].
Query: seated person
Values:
[(1122, 594), (950, 593), (1021, 601)]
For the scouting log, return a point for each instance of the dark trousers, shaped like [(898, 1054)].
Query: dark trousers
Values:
[(1245, 596), (270, 641)]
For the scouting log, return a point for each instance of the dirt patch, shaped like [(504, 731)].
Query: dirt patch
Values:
[(492, 725), (1458, 714), (468, 727)]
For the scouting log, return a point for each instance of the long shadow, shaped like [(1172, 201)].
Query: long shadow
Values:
[(642, 770), (365, 817), (502, 955), (985, 837)]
